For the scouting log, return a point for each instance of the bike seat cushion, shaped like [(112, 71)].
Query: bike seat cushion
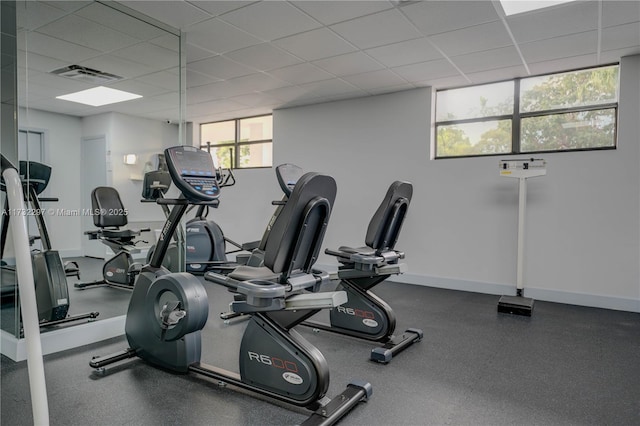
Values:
[(244, 273), (365, 251), (120, 234)]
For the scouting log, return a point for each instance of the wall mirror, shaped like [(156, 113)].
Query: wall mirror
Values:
[(65, 51)]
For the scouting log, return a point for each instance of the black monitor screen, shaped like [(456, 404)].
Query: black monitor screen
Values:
[(193, 163)]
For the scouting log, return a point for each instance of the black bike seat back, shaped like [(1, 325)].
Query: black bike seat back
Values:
[(298, 231), (384, 227), (108, 210)]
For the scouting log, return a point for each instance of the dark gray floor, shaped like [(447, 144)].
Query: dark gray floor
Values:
[(566, 365)]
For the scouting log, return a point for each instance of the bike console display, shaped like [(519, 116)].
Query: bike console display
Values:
[(193, 172)]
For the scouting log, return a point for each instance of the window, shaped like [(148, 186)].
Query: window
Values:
[(241, 143), (568, 111)]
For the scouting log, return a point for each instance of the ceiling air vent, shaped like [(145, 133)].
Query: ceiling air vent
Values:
[(80, 73)]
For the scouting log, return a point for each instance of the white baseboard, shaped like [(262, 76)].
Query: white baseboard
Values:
[(64, 338), (557, 296)]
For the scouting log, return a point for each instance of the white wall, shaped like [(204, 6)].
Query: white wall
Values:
[(583, 228), (143, 137)]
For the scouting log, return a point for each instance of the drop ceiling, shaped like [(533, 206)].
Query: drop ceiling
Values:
[(248, 58)]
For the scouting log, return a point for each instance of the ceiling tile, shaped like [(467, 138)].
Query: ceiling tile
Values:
[(444, 82), (258, 82), (488, 60), (141, 88), (213, 107), (195, 79), (61, 107), (178, 14), (405, 52), (215, 8), (609, 56), (87, 33), (207, 92), (144, 106), (287, 94), (219, 90), (627, 35), (270, 20), (220, 67), (494, 75), (218, 36), (118, 66), (301, 73), (163, 79), (377, 30), (351, 63), (150, 55), (43, 63), (473, 39), (316, 44), (256, 99), (560, 47), (303, 101), (56, 85), (68, 6), (559, 21), (263, 57), (391, 89), (433, 17), (339, 11), (620, 12), (168, 41), (195, 53), (426, 70), (376, 79), (330, 88), (32, 15), (563, 64), (119, 21)]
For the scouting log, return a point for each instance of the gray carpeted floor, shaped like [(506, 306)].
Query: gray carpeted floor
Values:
[(566, 365)]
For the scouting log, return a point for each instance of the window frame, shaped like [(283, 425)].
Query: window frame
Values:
[(517, 117), (237, 143)]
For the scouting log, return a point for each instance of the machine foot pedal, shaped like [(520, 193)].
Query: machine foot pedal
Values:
[(516, 305)]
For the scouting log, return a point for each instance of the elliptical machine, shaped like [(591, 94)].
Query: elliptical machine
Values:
[(167, 310), (206, 246), (50, 276), (205, 241)]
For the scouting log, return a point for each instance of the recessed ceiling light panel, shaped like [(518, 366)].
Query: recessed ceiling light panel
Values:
[(99, 96), (513, 7)]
